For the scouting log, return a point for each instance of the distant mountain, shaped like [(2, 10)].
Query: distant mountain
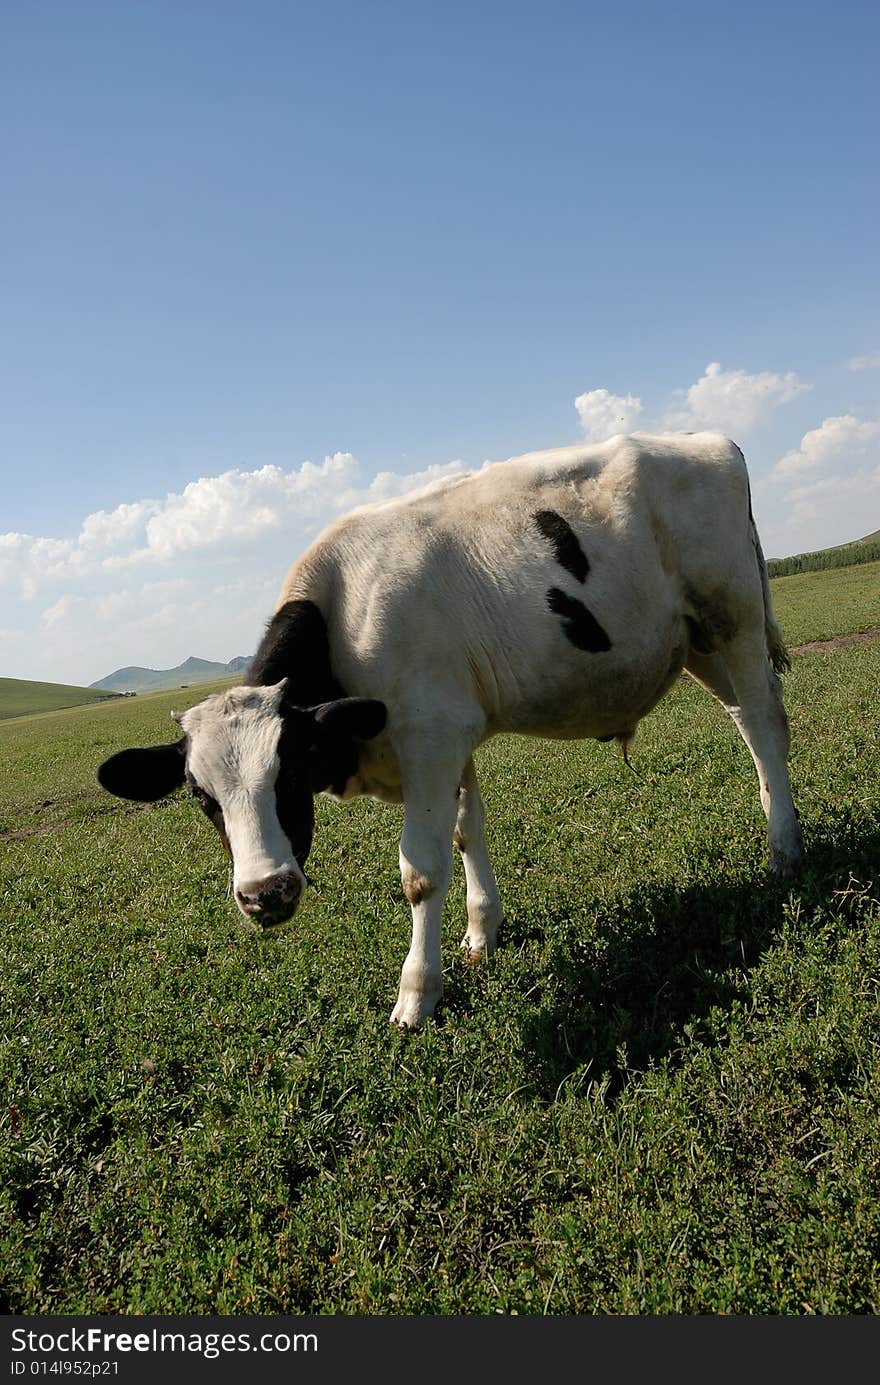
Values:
[(135, 679)]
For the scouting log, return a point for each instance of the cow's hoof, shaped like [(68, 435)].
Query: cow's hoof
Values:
[(412, 1009), (786, 867), (787, 858), (787, 852), (480, 941), (474, 950), (472, 954)]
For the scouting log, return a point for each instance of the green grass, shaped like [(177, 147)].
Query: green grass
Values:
[(660, 1096), (820, 605), (50, 759), (19, 697)]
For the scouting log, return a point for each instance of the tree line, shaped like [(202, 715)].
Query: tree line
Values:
[(848, 554)]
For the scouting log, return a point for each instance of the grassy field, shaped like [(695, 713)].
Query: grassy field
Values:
[(19, 697), (660, 1096), (820, 605)]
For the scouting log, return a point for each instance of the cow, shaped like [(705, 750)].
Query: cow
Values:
[(558, 594)]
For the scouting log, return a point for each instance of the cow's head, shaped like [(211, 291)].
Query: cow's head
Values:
[(253, 762)]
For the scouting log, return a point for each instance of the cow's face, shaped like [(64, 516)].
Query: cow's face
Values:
[(253, 762)]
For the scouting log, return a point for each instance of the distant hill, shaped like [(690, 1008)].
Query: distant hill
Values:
[(137, 680), (20, 698), (866, 550)]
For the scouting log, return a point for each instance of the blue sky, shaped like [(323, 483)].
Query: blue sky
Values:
[(262, 261)]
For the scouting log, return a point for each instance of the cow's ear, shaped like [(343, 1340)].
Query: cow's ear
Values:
[(337, 728), (145, 775), (358, 718)]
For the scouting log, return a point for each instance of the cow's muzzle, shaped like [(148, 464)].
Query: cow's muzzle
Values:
[(272, 900)]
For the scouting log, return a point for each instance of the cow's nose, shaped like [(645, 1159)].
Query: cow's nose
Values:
[(271, 900)]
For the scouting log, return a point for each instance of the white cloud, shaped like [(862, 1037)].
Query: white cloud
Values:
[(29, 563), (733, 401), (137, 603), (224, 541), (869, 362), (233, 508), (115, 528), (241, 505), (834, 509), (842, 437), (828, 488), (863, 482), (61, 611), (730, 401), (603, 414), (229, 511)]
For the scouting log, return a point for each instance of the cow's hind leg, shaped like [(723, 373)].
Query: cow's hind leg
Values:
[(748, 688), (483, 902)]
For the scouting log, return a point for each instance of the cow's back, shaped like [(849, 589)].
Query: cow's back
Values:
[(557, 592)]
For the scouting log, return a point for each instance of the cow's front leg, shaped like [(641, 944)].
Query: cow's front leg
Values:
[(483, 903), (430, 804)]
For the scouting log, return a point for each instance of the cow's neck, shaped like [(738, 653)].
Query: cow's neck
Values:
[(295, 647)]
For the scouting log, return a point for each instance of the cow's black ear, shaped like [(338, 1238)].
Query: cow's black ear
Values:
[(359, 717), (337, 728), (147, 774)]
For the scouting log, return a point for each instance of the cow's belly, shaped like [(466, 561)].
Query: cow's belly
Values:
[(597, 696), (578, 699)]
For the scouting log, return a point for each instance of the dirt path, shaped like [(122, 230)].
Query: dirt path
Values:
[(50, 825), (839, 642)]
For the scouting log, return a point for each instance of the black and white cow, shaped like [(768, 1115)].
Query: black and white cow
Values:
[(556, 594)]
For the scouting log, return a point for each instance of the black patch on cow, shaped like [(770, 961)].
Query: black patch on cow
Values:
[(294, 801), (339, 730), (295, 647), (321, 730), (319, 750), (565, 541), (147, 774), (579, 625)]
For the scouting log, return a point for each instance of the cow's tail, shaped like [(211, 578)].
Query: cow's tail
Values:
[(776, 650)]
